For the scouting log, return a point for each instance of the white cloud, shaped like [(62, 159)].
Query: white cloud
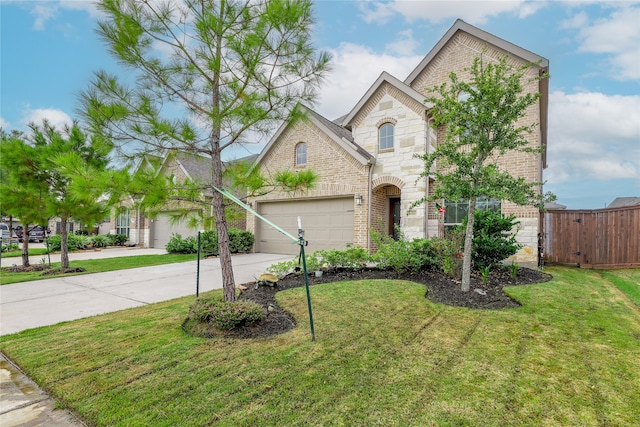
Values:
[(475, 12), (404, 45), (57, 118), (593, 136), (5, 124), (43, 12), (355, 69), (617, 36), (577, 21)]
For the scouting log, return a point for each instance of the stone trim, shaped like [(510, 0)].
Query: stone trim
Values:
[(386, 180)]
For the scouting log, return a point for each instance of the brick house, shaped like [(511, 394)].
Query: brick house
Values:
[(369, 177), (155, 231)]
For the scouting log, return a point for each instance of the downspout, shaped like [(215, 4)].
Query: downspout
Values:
[(369, 195), (426, 180)]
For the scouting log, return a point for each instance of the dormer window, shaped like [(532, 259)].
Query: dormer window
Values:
[(301, 154), (385, 136)]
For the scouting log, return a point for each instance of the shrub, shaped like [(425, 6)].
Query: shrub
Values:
[(74, 242), (283, 268), (81, 232), (403, 255), (9, 247), (116, 239), (225, 314), (448, 253), (493, 240), (178, 245), (240, 241), (209, 242), (352, 258), (99, 241)]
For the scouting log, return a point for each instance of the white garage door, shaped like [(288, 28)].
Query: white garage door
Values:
[(328, 224), (162, 229)]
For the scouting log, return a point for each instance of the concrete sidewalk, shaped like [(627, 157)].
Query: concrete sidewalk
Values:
[(46, 302)]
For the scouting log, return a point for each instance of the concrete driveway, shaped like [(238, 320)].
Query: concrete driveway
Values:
[(46, 302)]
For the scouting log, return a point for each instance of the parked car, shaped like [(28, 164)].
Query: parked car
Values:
[(37, 234), (7, 236), (19, 230)]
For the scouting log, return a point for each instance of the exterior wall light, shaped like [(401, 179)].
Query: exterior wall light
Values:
[(359, 199)]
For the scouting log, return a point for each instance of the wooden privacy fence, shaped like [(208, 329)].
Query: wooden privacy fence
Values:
[(599, 238)]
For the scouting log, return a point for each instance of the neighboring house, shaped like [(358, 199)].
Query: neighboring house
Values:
[(155, 231), (619, 202), (369, 176)]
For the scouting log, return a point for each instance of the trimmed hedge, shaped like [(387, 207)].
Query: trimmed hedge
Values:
[(240, 241)]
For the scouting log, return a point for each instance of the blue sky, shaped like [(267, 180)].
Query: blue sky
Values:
[(49, 51)]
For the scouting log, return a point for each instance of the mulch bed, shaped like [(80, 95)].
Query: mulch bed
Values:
[(440, 289)]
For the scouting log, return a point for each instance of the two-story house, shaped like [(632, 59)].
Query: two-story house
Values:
[(368, 174)]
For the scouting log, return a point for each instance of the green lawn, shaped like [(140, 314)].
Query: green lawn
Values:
[(18, 253), (384, 355), (98, 265)]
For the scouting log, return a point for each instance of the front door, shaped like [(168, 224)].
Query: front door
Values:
[(394, 218)]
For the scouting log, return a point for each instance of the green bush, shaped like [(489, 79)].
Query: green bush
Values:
[(100, 241), (352, 258), (283, 268), (224, 314), (448, 251), (116, 239), (402, 255), (178, 245), (240, 241), (209, 243), (8, 247), (81, 232), (74, 242), (493, 239)]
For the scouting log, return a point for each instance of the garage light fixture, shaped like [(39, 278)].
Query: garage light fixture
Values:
[(359, 199)]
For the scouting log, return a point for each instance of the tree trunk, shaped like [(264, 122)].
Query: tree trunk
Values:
[(25, 247), (468, 247), (64, 239), (228, 283)]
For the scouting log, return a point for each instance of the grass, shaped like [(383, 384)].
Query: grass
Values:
[(18, 253), (98, 265), (384, 355)]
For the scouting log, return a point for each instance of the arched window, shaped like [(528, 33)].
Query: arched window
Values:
[(385, 136), (301, 154)]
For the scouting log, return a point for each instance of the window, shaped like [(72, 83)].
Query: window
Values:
[(385, 135), (301, 154), (123, 223), (458, 210)]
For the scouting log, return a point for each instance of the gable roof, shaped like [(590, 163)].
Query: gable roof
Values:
[(381, 80), (619, 202), (460, 25), (337, 133), (512, 50)]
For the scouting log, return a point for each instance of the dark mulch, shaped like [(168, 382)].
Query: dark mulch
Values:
[(440, 289), (46, 269)]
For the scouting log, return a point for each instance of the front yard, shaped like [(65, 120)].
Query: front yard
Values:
[(384, 355)]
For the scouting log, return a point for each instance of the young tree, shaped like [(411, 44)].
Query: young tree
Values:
[(482, 117), (24, 189), (75, 168), (230, 69)]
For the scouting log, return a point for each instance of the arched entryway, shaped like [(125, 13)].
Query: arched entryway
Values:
[(386, 214)]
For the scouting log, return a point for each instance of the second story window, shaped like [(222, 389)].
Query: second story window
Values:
[(385, 136), (301, 154)]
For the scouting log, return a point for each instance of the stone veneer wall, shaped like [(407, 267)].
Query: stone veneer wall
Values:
[(389, 105)]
